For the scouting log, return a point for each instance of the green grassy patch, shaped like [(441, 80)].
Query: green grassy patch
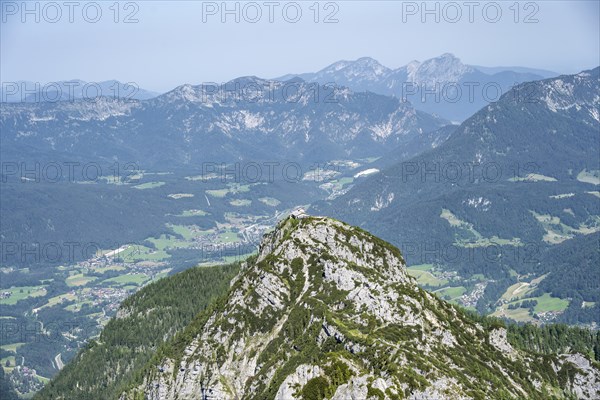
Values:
[(548, 303), (533, 178), (237, 188), (517, 291), (59, 299), (79, 280), (193, 213), (519, 314), (592, 177), (467, 236), (142, 253), (345, 181), (136, 279), (77, 306), (21, 293), (451, 293), (557, 231), (217, 192), (240, 202), (164, 242), (11, 347), (178, 196), (170, 241), (149, 185), (205, 177), (270, 201), (109, 268), (545, 303), (232, 188), (421, 267), (426, 278), (188, 232), (228, 237)]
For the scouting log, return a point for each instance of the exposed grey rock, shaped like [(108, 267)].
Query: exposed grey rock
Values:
[(335, 309)]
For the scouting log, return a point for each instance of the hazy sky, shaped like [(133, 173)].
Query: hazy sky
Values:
[(187, 42)]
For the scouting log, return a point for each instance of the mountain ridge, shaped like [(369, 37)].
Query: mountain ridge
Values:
[(250, 117), (537, 142), (441, 85), (71, 90), (337, 65), (328, 310)]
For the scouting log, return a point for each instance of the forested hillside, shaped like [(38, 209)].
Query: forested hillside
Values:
[(144, 322)]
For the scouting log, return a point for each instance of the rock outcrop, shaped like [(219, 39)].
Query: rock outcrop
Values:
[(326, 310)]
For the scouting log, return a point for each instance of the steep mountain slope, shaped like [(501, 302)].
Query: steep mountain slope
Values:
[(576, 276), (328, 311), (518, 177), (145, 321), (442, 85), (245, 119), (418, 145)]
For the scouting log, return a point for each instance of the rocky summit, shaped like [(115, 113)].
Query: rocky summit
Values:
[(328, 311)]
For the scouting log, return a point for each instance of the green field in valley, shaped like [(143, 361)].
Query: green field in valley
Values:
[(20, 293), (149, 185), (79, 280), (136, 279), (422, 273)]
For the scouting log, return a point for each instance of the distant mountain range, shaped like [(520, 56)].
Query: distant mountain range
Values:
[(248, 118), (521, 172), (522, 70), (71, 90), (442, 85)]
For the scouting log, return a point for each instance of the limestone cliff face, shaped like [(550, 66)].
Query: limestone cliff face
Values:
[(328, 311)]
